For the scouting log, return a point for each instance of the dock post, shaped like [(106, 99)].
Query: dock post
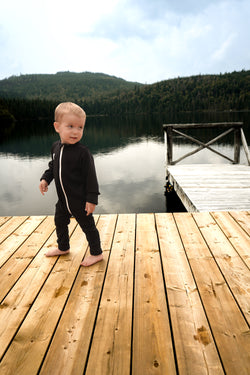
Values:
[(236, 145), (169, 145), (245, 146)]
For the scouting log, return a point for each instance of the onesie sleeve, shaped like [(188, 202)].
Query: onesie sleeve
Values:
[(48, 175), (92, 187)]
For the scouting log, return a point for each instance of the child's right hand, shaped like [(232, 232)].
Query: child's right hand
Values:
[(43, 186)]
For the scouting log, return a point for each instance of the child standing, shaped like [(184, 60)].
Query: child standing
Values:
[(72, 167)]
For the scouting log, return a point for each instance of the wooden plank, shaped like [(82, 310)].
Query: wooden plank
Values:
[(187, 170), (10, 226), (186, 201), (111, 345), (4, 219), (28, 348), (16, 265), (16, 305), (233, 268), (69, 348), (16, 239), (152, 342), (204, 125), (194, 182), (243, 219), (235, 234), (230, 330), (194, 345)]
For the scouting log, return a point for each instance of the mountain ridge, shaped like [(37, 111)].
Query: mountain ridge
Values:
[(63, 86), (101, 94)]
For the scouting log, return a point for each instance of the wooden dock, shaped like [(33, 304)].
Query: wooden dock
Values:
[(210, 187), (170, 297)]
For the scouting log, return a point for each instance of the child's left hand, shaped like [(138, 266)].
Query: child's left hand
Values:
[(89, 208)]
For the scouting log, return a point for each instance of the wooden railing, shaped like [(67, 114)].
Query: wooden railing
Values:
[(236, 127)]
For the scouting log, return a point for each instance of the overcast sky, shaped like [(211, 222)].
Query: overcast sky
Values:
[(138, 40)]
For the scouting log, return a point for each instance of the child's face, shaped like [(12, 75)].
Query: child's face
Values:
[(70, 128)]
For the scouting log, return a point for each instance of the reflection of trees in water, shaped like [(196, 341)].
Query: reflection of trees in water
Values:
[(105, 133)]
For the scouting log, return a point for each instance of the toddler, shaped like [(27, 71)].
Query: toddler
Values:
[(72, 167)]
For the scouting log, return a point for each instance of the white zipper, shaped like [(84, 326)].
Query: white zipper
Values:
[(60, 178)]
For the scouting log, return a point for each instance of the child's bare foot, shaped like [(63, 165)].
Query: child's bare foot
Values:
[(55, 252), (92, 259)]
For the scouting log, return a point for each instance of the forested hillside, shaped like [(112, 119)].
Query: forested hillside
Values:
[(63, 86), (35, 96), (197, 93)]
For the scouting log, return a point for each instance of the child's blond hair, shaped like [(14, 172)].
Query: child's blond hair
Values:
[(68, 107)]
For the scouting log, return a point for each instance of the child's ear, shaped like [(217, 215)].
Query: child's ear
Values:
[(56, 126)]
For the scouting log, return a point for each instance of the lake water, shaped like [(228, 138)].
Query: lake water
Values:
[(129, 156)]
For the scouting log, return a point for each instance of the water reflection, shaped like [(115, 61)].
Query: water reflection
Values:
[(131, 179), (129, 155)]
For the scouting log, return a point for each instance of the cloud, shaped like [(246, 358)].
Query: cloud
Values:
[(139, 40), (147, 19), (172, 39)]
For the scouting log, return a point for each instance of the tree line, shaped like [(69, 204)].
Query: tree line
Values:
[(114, 96), (222, 92), (63, 86)]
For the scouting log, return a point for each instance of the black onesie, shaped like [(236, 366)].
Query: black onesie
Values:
[(72, 167)]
